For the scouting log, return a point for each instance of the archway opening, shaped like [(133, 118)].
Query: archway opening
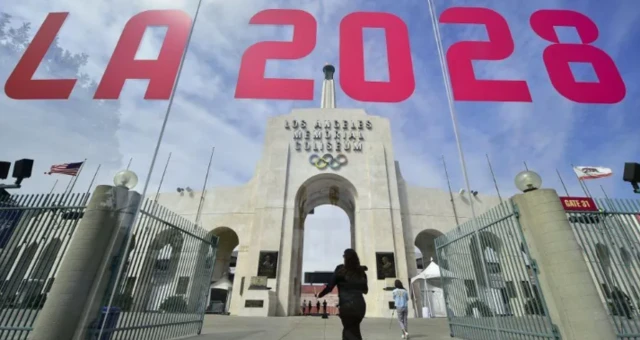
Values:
[(161, 259), (224, 270), (428, 292), (492, 286), (327, 233), (426, 248), (324, 227)]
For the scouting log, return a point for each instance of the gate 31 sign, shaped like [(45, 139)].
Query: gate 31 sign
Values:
[(252, 84)]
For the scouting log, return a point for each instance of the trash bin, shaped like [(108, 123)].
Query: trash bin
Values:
[(112, 315)]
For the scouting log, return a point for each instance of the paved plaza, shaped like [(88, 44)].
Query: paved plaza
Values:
[(314, 328)]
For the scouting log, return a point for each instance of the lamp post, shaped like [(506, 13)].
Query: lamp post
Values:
[(21, 170), (527, 181), (126, 178), (632, 175)]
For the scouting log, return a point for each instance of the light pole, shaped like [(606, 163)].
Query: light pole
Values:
[(21, 170), (632, 175), (528, 181)]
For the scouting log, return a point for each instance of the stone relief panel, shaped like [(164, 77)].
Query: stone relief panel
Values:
[(268, 264), (386, 265)]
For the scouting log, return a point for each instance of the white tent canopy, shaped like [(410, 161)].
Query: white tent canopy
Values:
[(431, 291), (432, 272), (223, 284)]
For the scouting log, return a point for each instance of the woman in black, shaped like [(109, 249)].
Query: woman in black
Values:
[(351, 280)]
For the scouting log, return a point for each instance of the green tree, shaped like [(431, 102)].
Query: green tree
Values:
[(82, 125)]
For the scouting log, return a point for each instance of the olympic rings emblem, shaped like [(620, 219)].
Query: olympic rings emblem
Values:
[(327, 160)]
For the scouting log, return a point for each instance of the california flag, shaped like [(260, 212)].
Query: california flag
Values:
[(592, 172)]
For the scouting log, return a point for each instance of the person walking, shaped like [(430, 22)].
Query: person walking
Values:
[(304, 307), (324, 307), (351, 280), (318, 307), (401, 299), (309, 311)]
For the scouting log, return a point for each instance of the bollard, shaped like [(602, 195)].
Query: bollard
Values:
[(83, 275), (569, 290)]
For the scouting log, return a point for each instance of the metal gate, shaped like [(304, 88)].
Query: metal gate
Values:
[(162, 292), (35, 231), (610, 240), (490, 281)]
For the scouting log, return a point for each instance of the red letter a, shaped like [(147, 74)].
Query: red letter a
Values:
[(161, 72), (21, 84)]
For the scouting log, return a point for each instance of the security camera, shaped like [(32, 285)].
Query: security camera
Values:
[(474, 193), (179, 189), (461, 191), (188, 189)]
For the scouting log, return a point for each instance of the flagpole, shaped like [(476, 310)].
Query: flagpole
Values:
[(94, 178), (68, 185), (204, 187), (128, 237), (463, 165), (49, 197), (77, 175), (493, 175), (604, 192), (53, 187), (561, 181), (162, 178), (453, 205), (584, 189)]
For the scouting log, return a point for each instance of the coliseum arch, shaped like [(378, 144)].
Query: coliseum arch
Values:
[(424, 241), (159, 266), (386, 213), (221, 290), (321, 189), (228, 240)]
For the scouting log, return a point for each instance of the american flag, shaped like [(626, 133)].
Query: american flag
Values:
[(65, 169)]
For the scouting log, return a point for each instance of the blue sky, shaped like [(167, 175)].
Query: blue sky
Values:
[(551, 132)]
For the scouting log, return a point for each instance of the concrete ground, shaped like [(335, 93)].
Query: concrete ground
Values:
[(314, 328)]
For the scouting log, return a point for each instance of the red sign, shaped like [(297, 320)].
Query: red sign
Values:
[(252, 84), (578, 204)]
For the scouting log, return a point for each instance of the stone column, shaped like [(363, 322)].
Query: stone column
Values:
[(564, 279), (83, 275)]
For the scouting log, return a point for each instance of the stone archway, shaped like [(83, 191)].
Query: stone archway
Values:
[(222, 278), (424, 294), (160, 265), (491, 247), (46, 260), (201, 278), (321, 189), (11, 286), (494, 291), (425, 242), (228, 240)]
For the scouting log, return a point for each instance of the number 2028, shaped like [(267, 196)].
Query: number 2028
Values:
[(162, 72), (609, 89)]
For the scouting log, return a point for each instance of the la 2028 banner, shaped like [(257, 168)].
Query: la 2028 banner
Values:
[(252, 84), (548, 82)]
